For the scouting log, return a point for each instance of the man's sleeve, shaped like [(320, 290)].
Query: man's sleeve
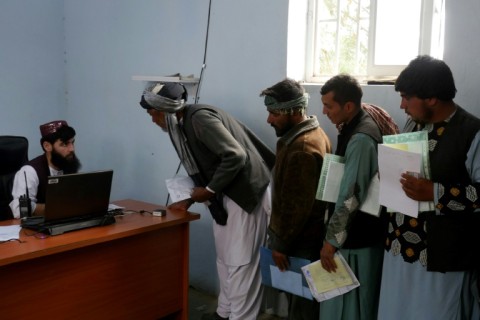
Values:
[(19, 188), (295, 199)]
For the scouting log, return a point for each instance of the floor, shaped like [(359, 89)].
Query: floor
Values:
[(200, 303)]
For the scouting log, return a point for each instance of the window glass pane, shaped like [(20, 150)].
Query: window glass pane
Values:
[(363, 47), (352, 57), (342, 42), (347, 47), (325, 63), (327, 10), (397, 31), (370, 38)]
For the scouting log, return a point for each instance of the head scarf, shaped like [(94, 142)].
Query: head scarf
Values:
[(273, 105), (384, 121), (154, 100)]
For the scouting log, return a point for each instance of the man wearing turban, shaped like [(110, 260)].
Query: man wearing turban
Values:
[(230, 167), (296, 224)]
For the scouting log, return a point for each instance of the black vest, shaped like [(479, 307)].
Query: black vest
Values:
[(452, 239), (365, 230), (40, 164)]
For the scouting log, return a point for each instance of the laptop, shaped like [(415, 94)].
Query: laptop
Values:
[(74, 201)]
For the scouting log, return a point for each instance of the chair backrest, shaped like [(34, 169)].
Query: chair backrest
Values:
[(13, 155)]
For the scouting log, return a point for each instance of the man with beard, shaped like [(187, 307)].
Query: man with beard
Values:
[(296, 224), (230, 167), (58, 144), (430, 269)]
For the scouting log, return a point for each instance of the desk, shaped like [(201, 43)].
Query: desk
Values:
[(136, 268)]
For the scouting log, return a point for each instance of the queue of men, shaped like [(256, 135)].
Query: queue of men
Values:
[(408, 268)]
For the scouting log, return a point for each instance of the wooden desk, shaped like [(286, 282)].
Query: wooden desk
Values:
[(136, 268)]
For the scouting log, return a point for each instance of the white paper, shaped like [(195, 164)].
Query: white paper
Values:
[(333, 181), (112, 206), (179, 188), (10, 232), (338, 283), (392, 163), (333, 173), (415, 142), (371, 204)]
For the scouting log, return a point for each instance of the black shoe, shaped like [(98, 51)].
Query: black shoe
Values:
[(212, 316)]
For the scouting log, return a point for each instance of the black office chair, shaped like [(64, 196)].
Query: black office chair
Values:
[(13, 155)]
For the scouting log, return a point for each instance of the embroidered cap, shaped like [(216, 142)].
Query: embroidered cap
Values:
[(52, 127)]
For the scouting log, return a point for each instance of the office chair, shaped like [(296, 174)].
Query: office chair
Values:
[(13, 155)]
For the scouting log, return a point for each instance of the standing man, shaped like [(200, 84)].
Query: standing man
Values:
[(227, 163), (357, 235), (296, 223), (428, 270), (58, 144)]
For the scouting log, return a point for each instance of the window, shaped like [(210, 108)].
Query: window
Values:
[(370, 39)]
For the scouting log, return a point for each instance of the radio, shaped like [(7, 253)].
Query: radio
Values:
[(24, 202)]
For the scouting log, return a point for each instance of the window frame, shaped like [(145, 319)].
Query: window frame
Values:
[(374, 72)]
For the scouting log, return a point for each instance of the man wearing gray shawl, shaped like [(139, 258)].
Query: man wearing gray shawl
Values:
[(296, 224), (230, 167)]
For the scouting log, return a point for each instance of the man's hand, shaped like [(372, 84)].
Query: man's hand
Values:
[(182, 205), (39, 209), (281, 260), (200, 194), (418, 189), (326, 257)]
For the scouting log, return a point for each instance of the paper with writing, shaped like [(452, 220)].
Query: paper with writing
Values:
[(325, 285)]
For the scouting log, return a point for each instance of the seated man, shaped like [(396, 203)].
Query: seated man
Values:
[(57, 141)]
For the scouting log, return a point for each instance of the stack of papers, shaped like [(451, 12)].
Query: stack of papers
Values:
[(331, 177), (325, 285), (8, 233), (308, 279), (406, 152), (290, 280), (179, 187)]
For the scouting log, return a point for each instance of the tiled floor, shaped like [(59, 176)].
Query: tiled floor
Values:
[(200, 303)]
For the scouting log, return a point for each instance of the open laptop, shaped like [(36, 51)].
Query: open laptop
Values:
[(75, 201)]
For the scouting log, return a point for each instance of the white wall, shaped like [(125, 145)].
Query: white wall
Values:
[(32, 85), (75, 60)]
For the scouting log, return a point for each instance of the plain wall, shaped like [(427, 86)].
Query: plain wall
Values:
[(75, 60), (32, 67)]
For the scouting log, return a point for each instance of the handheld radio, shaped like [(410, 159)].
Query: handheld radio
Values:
[(24, 202)]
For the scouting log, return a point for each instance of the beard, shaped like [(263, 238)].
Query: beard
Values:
[(424, 117), (280, 131), (68, 164)]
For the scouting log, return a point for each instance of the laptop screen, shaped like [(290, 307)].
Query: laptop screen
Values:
[(78, 194)]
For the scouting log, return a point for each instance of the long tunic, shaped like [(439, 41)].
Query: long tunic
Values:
[(409, 290), (357, 234)]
